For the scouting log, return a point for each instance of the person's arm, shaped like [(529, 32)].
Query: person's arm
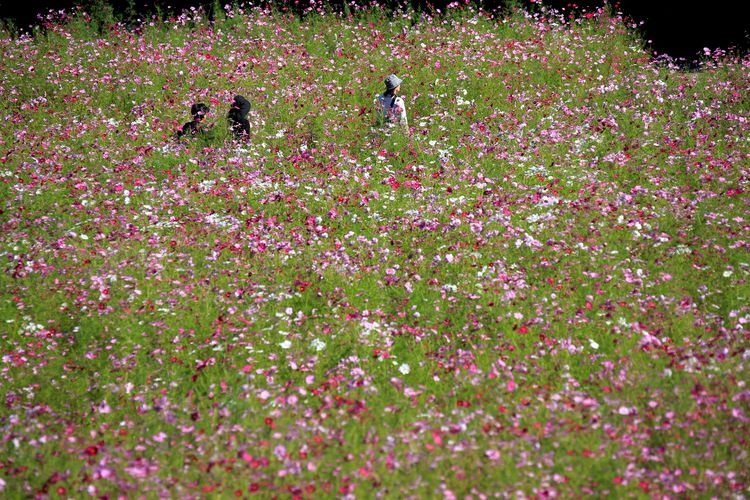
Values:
[(402, 120)]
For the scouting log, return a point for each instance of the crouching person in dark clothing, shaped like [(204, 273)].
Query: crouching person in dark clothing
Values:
[(196, 126), (237, 117)]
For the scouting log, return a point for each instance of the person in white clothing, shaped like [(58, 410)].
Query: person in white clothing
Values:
[(390, 105)]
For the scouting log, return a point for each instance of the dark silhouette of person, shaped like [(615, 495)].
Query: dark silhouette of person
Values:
[(194, 127), (237, 117)]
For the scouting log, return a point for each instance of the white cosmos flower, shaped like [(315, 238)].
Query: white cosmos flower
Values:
[(404, 369)]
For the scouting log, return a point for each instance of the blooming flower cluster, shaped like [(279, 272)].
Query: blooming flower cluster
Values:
[(540, 288)]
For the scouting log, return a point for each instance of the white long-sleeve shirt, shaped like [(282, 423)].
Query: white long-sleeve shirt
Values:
[(392, 109)]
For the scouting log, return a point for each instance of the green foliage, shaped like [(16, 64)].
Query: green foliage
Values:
[(541, 283)]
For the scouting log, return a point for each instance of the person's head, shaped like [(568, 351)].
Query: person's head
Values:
[(392, 84), (199, 111), (240, 106)]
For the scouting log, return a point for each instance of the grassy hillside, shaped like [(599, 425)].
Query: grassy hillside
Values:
[(540, 287)]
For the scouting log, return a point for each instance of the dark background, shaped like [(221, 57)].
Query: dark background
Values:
[(671, 26)]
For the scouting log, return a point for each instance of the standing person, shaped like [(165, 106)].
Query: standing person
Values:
[(194, 127), (391, 106), (237, 117)]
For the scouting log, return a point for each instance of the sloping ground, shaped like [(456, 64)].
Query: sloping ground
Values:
[(540, 288)]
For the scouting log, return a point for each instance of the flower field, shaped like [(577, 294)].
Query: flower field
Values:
[(539, 289)]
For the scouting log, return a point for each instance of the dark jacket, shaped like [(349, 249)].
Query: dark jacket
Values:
[(190, 129), (238, 123)]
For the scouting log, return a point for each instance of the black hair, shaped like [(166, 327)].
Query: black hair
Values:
[(241, 104), (199, 109)]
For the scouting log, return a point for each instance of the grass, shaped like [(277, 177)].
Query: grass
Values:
[(544, 279)]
